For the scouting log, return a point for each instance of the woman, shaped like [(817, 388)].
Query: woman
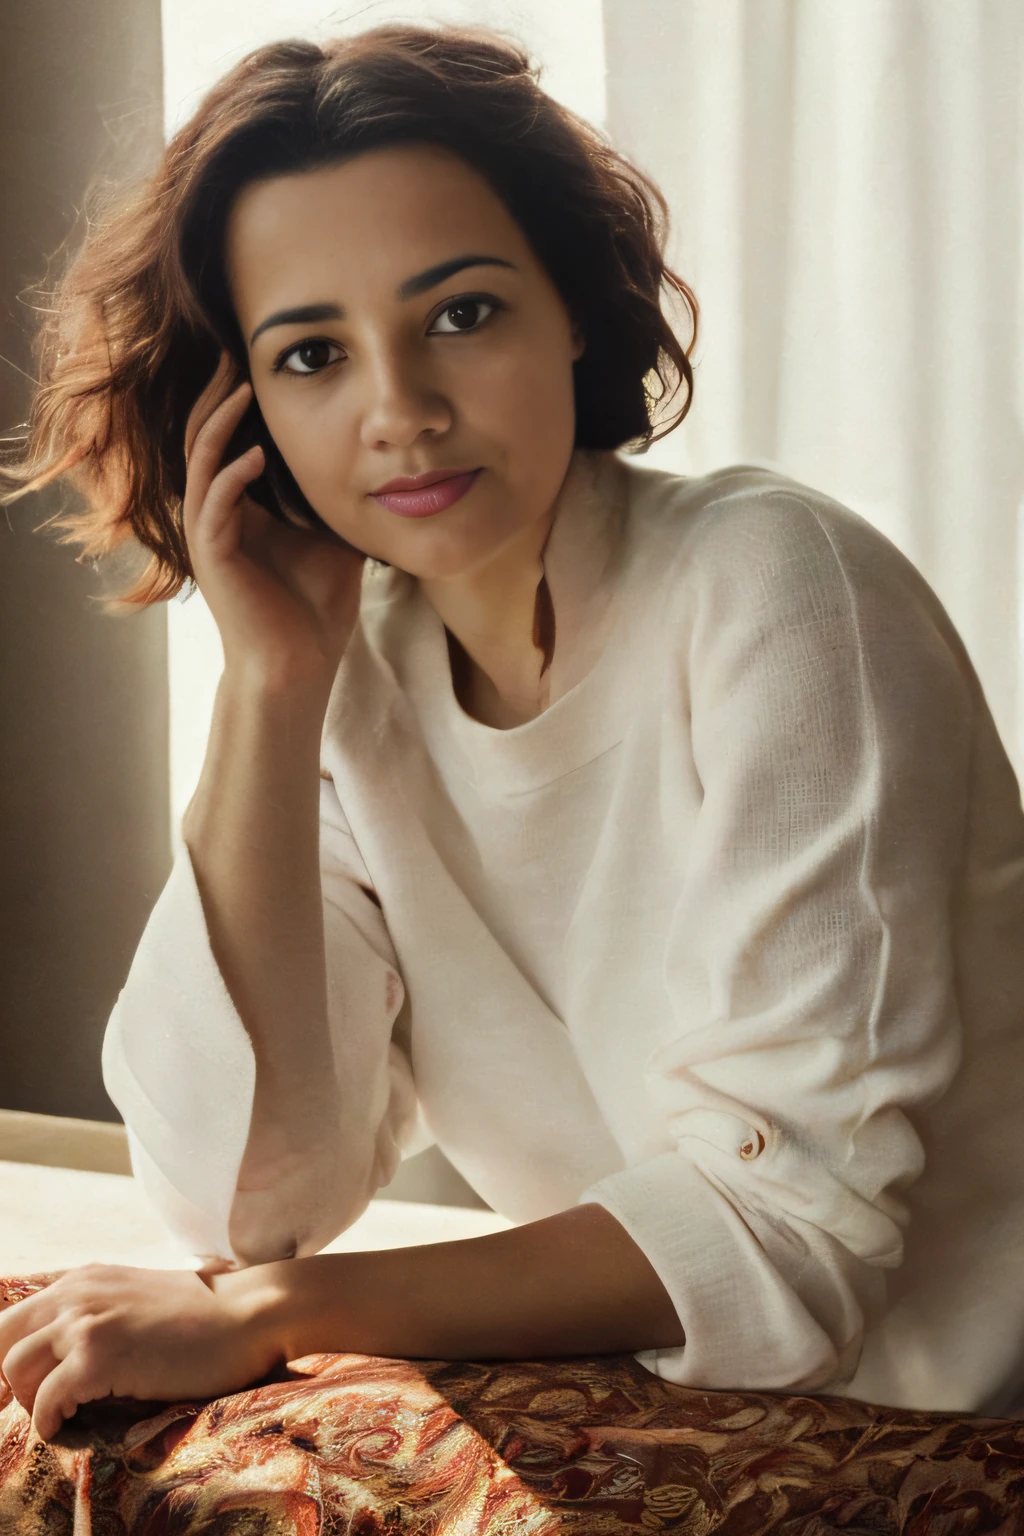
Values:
[(667, 871)]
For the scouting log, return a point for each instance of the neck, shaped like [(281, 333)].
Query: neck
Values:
[(497, 662)]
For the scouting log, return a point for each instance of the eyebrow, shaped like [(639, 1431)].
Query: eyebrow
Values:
[(306, 314)]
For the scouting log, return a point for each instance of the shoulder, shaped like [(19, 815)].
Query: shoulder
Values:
[(775, 580), (752, 544), (747, 516)]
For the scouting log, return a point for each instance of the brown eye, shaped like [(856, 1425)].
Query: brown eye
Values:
[(463, 315), (311, 356)]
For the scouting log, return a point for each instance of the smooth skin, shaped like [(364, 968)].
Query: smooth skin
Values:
[(392, 386), (476, 371)]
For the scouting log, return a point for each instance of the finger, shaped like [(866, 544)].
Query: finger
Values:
[(26, 1316), (72, 1382), (221, 383), (208, 450), (218, 524), (215, 421), (29, 1363)]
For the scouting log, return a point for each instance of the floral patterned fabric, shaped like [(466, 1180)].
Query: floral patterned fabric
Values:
[(375, 1447)]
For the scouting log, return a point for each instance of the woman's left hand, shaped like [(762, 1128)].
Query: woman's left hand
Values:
[(108, 1330)]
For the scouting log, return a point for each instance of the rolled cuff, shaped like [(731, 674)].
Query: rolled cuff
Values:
[(746, 1328)]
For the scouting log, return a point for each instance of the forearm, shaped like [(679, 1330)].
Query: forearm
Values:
[(252, 832), (572, 1284)]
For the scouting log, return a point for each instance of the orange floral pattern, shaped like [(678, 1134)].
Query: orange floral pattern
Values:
[(374, 1447)]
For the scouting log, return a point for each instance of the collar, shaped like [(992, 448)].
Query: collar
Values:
[(580, 562)]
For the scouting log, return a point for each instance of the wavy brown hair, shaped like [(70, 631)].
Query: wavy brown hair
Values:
[(135, 326)]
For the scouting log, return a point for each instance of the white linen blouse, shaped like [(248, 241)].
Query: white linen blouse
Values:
[(729, 938)]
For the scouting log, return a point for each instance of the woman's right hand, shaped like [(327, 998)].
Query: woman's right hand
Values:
[(285, 600)]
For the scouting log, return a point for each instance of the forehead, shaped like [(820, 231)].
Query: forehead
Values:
[(370, 220)]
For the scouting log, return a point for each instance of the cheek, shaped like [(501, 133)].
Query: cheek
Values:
[(528, 388), (312, 447)]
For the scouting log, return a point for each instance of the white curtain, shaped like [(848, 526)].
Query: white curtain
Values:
[(846, 180), (846, 184)]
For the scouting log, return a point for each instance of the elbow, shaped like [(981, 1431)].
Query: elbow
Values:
[(257, 1241), (810, 1358), (324, 1226), (261, 1230), (285, 1222), (825, 1368), (835, 1304), (298, 1211), (833, 1311)]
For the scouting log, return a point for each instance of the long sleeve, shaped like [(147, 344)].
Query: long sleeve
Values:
[(179, 1065), (809, 963)]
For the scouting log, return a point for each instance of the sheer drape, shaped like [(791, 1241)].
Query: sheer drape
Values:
[(846, 186)]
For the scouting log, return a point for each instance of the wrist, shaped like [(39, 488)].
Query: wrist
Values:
[(254, 1300), (284, 683)]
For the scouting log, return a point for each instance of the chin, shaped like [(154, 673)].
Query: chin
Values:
[(441, 565), (439, 554)]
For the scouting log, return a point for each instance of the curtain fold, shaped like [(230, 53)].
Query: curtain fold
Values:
[(846, 185)]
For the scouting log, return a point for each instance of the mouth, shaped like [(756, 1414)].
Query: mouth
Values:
[(418, 482), (423, 495)]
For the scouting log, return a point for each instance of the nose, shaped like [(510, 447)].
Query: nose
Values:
[(401, 402)]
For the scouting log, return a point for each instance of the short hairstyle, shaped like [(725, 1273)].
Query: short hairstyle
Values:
[(136, 325)]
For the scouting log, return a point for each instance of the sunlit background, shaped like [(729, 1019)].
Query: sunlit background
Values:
[(845, 185), (845, 180)]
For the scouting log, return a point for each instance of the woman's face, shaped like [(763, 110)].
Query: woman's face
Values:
[(399, 367)]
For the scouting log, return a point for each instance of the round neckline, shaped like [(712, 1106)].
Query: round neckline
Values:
[(587, 720), (460, 661)]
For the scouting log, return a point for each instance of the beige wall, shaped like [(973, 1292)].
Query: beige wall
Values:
[(84, 844)]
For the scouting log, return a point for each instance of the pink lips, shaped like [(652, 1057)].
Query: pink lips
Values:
[(429, 498)]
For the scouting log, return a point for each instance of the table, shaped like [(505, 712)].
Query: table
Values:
[(54, 1218)]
